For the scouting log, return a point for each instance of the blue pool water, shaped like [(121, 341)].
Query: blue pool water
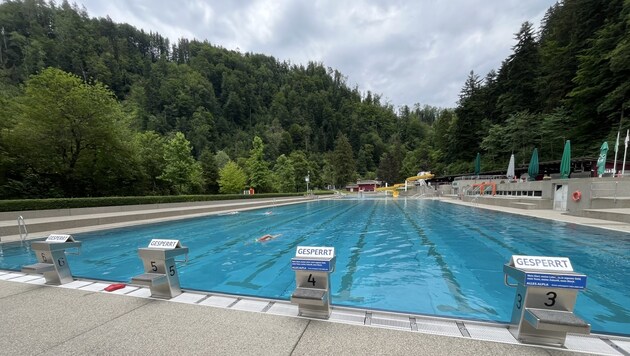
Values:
[(414, 256)]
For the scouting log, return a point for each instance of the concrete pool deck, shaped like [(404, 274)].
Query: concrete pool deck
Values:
[(79, 318), (41, 223)]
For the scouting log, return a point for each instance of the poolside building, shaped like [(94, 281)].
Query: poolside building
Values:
[(367, 185)]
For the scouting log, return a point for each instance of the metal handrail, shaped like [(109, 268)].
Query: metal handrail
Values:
[(22, 226), (505, 281), (593, 189), (480, 177)]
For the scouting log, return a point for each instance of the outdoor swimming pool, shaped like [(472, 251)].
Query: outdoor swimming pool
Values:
[(415, 256)]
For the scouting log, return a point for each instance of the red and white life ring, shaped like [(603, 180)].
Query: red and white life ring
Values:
[(577, 195)]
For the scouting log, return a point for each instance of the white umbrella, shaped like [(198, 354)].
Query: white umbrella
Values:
[(510, 171), (616, 149), (623, 168)]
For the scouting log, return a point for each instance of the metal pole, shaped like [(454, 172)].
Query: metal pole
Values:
[(308, 176), (616, 149), (623, 169)]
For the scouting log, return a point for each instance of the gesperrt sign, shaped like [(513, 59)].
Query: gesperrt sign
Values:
[(58, 238), (165, 244), (324, 253), (542, 263)]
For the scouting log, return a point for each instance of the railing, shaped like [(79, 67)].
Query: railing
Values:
[(594, 189), (22, 228), (480, 177)]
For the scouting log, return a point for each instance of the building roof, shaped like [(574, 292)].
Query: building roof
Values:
[(369, 181)]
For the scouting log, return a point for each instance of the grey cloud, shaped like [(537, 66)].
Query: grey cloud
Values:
[(408, 51)]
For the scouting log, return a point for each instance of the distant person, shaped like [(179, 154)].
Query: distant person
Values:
[(267, 237)]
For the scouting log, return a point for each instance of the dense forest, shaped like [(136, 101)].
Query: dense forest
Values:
[(95, 108)]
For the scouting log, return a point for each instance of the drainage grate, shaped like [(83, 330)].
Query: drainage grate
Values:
[(347, 316), (219, 301), (623, 347), (462, 329), (283, 309), (368, 319), (397, 324), (27, 278), (588, 344), (9, 276), (491, 333), (76, 284), (250, 305), (267, 307), (414, 326), (188, 298), (233, 303), (438, 327)]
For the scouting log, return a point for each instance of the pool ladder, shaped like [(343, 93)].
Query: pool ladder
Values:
[(22, 228)]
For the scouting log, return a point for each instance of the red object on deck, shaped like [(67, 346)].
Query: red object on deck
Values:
[(113, 287)]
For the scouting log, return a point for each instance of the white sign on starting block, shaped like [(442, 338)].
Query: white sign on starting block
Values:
[(59, 238), (165, 244), (542, 263), (315, 252)]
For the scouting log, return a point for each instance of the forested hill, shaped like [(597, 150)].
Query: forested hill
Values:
[(91, 107)]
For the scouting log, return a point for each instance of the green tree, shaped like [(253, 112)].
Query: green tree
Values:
[(257, 167), (221, 159), (466, 130), (365, 162), (210, 171), (388, 169), (71, 134), (602, 91), (301, 168), (416, 161), (149, 147), (232, 178), (521, 72), (343, 162), (181, 170), (284, 175)]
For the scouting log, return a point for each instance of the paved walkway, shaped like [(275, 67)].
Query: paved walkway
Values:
[(38, 319), (555, 215), (58, 321), (42, 223)]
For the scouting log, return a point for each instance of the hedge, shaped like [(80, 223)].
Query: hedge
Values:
[(66, 203)]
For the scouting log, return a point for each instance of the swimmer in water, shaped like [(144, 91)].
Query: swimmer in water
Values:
[(267, 237), (268, 212)]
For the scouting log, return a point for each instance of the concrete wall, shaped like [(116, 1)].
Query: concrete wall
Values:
[(593, 189), (517, 188), (597, 193)]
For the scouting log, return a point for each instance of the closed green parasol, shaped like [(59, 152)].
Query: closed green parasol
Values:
[(565, 164), (478, 164), (601, 161), (532, 170)]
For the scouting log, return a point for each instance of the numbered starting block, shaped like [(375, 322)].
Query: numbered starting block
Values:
[(160, 268), (546, 292), (51, 258), (312, 266)]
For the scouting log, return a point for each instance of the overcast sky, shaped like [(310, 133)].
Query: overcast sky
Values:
[(409, 51)]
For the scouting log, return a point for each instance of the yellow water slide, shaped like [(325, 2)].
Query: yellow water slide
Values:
[(394, 187)]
